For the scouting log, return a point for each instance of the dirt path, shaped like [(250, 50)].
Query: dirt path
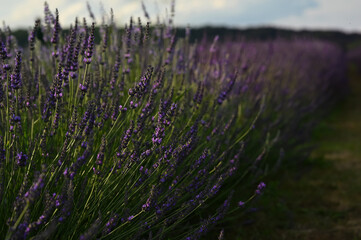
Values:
[(325, 202)]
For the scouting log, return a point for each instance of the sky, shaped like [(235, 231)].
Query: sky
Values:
[(341, 15)]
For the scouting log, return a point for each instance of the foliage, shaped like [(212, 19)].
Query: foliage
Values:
[(137, 134)]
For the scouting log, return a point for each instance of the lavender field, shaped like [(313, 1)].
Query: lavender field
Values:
[(136, 132)]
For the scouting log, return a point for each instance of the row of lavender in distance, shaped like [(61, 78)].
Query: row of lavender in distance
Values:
[(133, 135)]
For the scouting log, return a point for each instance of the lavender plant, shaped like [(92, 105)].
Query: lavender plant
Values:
[(135, 134)]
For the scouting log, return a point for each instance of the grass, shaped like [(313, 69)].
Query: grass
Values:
[(319, 199)]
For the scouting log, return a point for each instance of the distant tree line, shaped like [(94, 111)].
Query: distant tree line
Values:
[(345, 40)]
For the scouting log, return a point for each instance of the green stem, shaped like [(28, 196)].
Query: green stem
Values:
[(9, 233)]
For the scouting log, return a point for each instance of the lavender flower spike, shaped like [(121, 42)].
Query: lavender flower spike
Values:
[(16, 76), (89, 50), (260, 188)]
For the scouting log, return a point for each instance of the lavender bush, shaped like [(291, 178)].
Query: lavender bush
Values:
[(135, 134)]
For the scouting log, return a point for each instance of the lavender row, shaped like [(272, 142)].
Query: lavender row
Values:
[(133, 135)]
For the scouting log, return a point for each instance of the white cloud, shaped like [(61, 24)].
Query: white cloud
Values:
[(69, 13), (286, 13), (218, 4), (335, 14), (19, 14)]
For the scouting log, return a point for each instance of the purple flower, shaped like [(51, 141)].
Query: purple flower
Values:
[(260, 188), (31, 37), (35, 189), (127, 135), (100, 155), (55, 37), (142, 86), (90, 47), (16, 75), (241, 204), (82, 87), (21, 159), (111, 224), (224, 93)]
